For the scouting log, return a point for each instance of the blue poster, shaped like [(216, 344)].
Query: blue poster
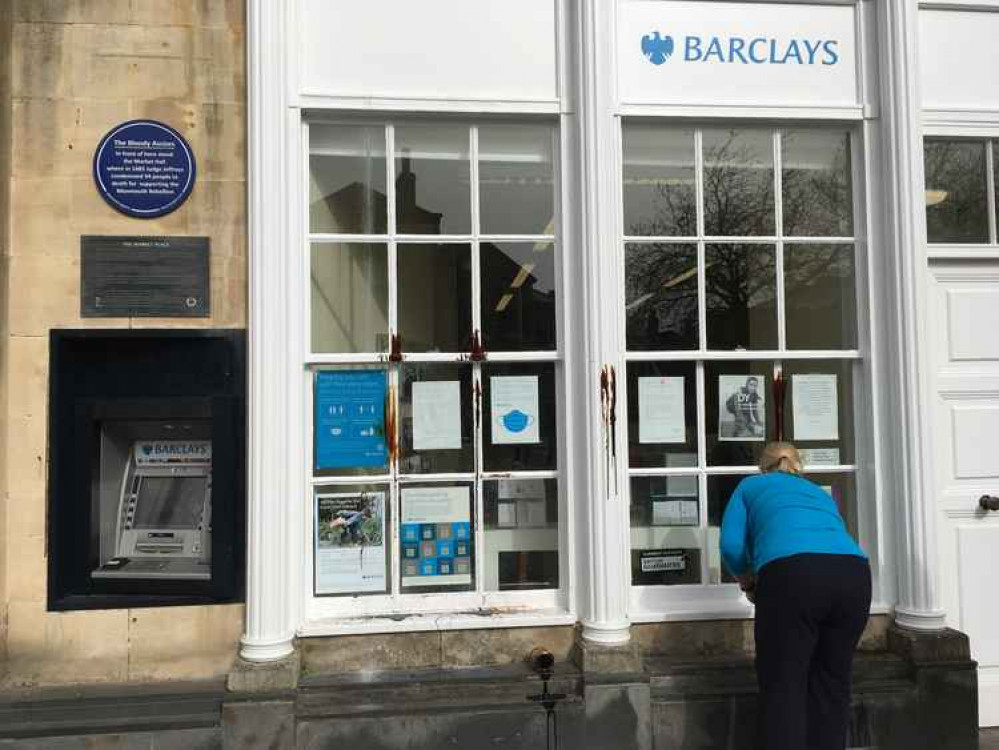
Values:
[(144, 169), (350, 419)]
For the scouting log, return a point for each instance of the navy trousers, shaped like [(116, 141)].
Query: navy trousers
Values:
[(810, 612)]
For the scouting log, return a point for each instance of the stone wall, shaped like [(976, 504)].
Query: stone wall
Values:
[(77, 68), (5, 156)]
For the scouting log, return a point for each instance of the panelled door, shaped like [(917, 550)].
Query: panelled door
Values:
[(964, 302)]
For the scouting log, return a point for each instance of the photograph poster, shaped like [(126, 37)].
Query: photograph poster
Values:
[(350, 543), (661, 410), (742, 413), (515, 409), (437, 415), (816, 409), (436, 536)]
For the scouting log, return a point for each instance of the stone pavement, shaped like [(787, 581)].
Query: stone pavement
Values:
[(988, 739)]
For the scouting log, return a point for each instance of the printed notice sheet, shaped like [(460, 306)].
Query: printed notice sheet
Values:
[(661, 410), (436, 536), (437, 415), (350, 419), (816, 412), (819, 456), (350, 543), (515, 413)]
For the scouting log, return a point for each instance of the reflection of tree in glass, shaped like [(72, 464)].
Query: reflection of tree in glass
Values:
[(817, 190), (661, 286), (738, 185), (675, 205), (740, 296), (956, 192)]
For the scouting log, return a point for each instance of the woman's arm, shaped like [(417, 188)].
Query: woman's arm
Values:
[(734, 535)]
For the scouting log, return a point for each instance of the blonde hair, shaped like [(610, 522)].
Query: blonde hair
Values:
[(778, 456)]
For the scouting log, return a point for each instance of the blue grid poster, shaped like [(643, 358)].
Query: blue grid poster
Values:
[(436, 536), (350, 419)]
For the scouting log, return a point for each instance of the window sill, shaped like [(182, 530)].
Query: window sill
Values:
[(430, 621)]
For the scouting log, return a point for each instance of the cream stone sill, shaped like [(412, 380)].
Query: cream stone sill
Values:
[(429, 621)]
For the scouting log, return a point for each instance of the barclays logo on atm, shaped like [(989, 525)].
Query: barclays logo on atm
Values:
[(658, 48)]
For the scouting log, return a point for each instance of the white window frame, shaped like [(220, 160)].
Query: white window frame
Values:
[(705, 600), (397, 611), (959, 250)]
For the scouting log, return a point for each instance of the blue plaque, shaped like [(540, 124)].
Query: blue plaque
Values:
[(144, 169), (350, 419)]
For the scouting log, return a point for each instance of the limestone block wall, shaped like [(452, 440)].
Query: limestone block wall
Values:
[(76, 68), (5, 31)]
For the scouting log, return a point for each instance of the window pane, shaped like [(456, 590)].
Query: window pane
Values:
[(665, 533), (521, 534), (842, 488), (820, 298), (661, 302), (720, 489), (739, 409), (738, 183), (347, 179), (436, 426), (432, 180), (518, 296), (956, 191), (741, 296), (437, 537), (352, 528), (516, 179), (660, 198), (819, 410), (435, 297), (662, 414), (349, 297), (817, 187), (519, 432)]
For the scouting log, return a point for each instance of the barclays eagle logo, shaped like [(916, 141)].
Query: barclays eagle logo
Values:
[(657, 49)]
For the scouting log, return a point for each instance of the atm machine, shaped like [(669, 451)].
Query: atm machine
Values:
[(159, 524)]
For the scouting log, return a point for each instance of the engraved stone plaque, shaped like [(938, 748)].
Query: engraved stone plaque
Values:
[(144, 277)]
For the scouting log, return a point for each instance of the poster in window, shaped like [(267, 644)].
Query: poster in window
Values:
[(742, 413), (350, 419), (436, 536), (437, 415), (350, 543), (816, 409), (661, 415), (515, 410)]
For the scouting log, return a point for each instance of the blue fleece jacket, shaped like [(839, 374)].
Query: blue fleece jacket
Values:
[(776, 515)]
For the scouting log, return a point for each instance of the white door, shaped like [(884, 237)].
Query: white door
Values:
[(965, 333)]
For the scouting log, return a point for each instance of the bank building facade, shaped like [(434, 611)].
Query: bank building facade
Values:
[(377, 374)]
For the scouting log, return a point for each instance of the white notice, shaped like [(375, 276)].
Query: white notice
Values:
[(816, 412), (514, 402), (819, 456), (661, 410), (436, 415)]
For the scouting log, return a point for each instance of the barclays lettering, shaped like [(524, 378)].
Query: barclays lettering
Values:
[(658, 48)]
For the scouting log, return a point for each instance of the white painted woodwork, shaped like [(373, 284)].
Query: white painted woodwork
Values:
[(433, 50), (966, 420), (907, 450), (959, 58)]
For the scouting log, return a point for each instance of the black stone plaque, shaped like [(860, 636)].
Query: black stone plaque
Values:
[(148, 277)]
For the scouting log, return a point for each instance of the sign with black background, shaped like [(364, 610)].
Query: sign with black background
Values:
[(145, 277)]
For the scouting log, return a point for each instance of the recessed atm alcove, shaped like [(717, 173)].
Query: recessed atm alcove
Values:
[(146, 468)]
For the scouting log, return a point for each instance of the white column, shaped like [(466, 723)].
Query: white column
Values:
[(599, 491), (274, 392), (914, 508)]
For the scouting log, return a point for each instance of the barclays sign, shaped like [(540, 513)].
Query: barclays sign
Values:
[(658, 48)]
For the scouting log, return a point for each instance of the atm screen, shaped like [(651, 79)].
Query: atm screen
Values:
[(169, 502)]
